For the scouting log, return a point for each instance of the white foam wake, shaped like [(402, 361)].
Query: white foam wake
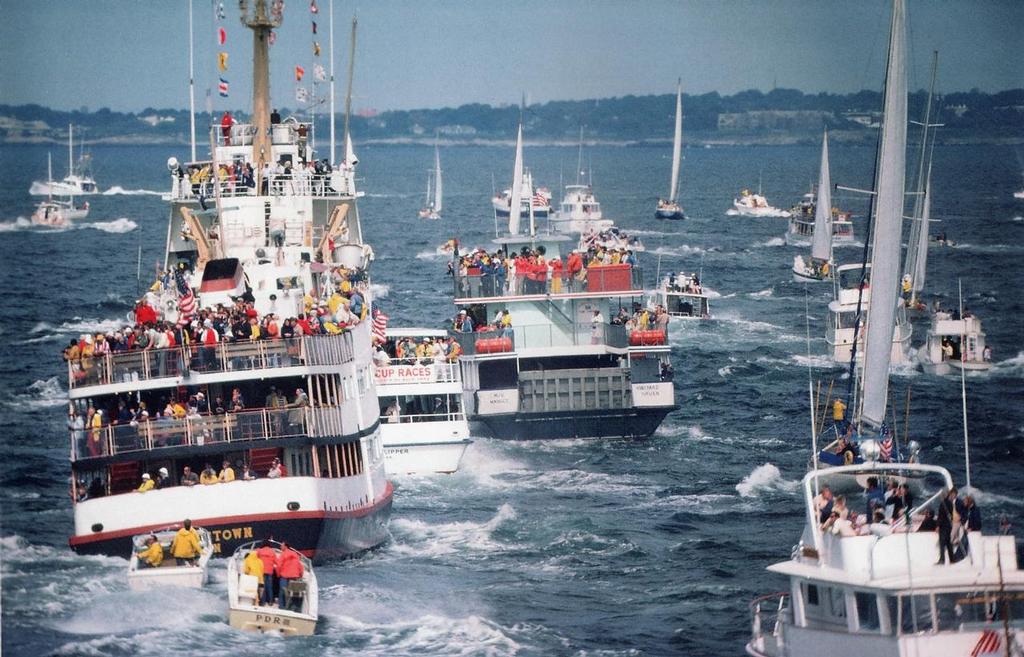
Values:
[(122, 225), (117, 190), (764, 478)]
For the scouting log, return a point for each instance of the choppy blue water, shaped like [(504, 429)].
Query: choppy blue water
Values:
[(569, 547)]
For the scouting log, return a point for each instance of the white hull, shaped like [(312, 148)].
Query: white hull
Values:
[(270, 620), (568, 224), (422, 457), (63, 188), (739, 208), (193, 577)]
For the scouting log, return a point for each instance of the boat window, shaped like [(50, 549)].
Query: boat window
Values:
[(498, 374), (288, 283), (915, 614), (644, 370), (811, 594), (837, 602), (892, 604), (867, 611)]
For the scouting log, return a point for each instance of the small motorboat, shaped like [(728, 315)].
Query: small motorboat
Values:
[(297, 617), (141, 576), (754, 205)]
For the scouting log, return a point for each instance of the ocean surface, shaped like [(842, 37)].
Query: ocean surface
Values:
[(567, 547)]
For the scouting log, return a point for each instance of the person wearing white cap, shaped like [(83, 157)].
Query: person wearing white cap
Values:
[(147, 483), (163, 479)]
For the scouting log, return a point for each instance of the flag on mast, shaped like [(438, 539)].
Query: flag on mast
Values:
[(223, 88)]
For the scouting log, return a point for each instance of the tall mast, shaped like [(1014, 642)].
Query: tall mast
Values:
[(330, 54), (579, 159), (191, 84), (71, 150), (261, 23), (911, 266)]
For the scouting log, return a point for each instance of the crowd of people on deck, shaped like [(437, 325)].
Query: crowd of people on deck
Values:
[(890, 510), (480, 273), (612, 238), (684, 282), (409, 350)]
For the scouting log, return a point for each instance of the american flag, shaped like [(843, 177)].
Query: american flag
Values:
[(988, 644), (539, 200), (887, 449), (186, 300), (380, 325)]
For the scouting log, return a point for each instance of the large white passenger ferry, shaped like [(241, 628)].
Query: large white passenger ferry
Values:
[(293, 416), (419, 388), (555, 342)]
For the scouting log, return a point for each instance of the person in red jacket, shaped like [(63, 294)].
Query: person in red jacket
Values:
[(573, 265), (268, 557), (144, 313), (289, 567)]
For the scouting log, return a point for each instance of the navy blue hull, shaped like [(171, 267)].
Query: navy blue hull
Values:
[(612, 423), (318, 534), (669, 214)]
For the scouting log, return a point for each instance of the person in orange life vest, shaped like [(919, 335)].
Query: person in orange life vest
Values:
[(268, 557), (288, 567)]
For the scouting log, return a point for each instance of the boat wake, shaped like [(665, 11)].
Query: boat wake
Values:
[(765, 478), (117, 190), (681, 250), (42, 394), (417, 538), (21, 223), (773, 242), (122, 225)]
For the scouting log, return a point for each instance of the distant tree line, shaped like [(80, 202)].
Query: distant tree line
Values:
[(627, 118)]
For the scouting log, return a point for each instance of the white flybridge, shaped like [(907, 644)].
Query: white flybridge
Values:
[(57, 213), (818, 267), (670, 209), (420, 395), (78, 182), (433, 207), (579, 210), (875, 589), (264, 246), (847, 312), (915, 264)]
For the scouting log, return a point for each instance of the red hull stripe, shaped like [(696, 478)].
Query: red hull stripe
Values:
[(251, 517)]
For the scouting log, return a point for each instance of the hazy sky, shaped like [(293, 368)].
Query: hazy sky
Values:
[(128, 55)]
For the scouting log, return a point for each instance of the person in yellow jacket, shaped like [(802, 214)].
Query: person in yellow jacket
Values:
[(153, 555), (185, 546), (147, 483), (208, 476), (253, 565)]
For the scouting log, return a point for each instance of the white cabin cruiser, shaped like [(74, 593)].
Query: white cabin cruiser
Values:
[(78, 182), (423, 428), (298, 616), (954, 344), (141, 576), (579, 212), (852, 299), (749, 204), (875, 588), (58, 213)]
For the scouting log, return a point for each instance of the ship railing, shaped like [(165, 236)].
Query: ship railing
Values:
[(289, 131), (496, 341), (149, 364), (442, 416), (601, 279), (303, 183), (768, 615), (199, 430)]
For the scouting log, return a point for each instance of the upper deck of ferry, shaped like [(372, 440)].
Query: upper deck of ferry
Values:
[(292, 168)]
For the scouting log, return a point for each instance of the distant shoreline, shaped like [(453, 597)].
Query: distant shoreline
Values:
[(857, 138)]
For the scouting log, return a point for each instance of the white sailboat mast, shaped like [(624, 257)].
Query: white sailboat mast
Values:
[(71, 150), (821, 243), (191, 84), (330, 55), (890, 178), (677, 143), (437, 179), (517, 182)]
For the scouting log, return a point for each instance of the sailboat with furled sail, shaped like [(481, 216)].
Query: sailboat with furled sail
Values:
[(670, 209), (433, 206), (818, 267)]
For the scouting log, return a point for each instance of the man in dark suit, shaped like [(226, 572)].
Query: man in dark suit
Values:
[(951, 514)]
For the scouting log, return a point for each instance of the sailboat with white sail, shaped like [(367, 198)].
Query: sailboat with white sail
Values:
[(670, 209), (433, 202), (818, 267), (78, 182)]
